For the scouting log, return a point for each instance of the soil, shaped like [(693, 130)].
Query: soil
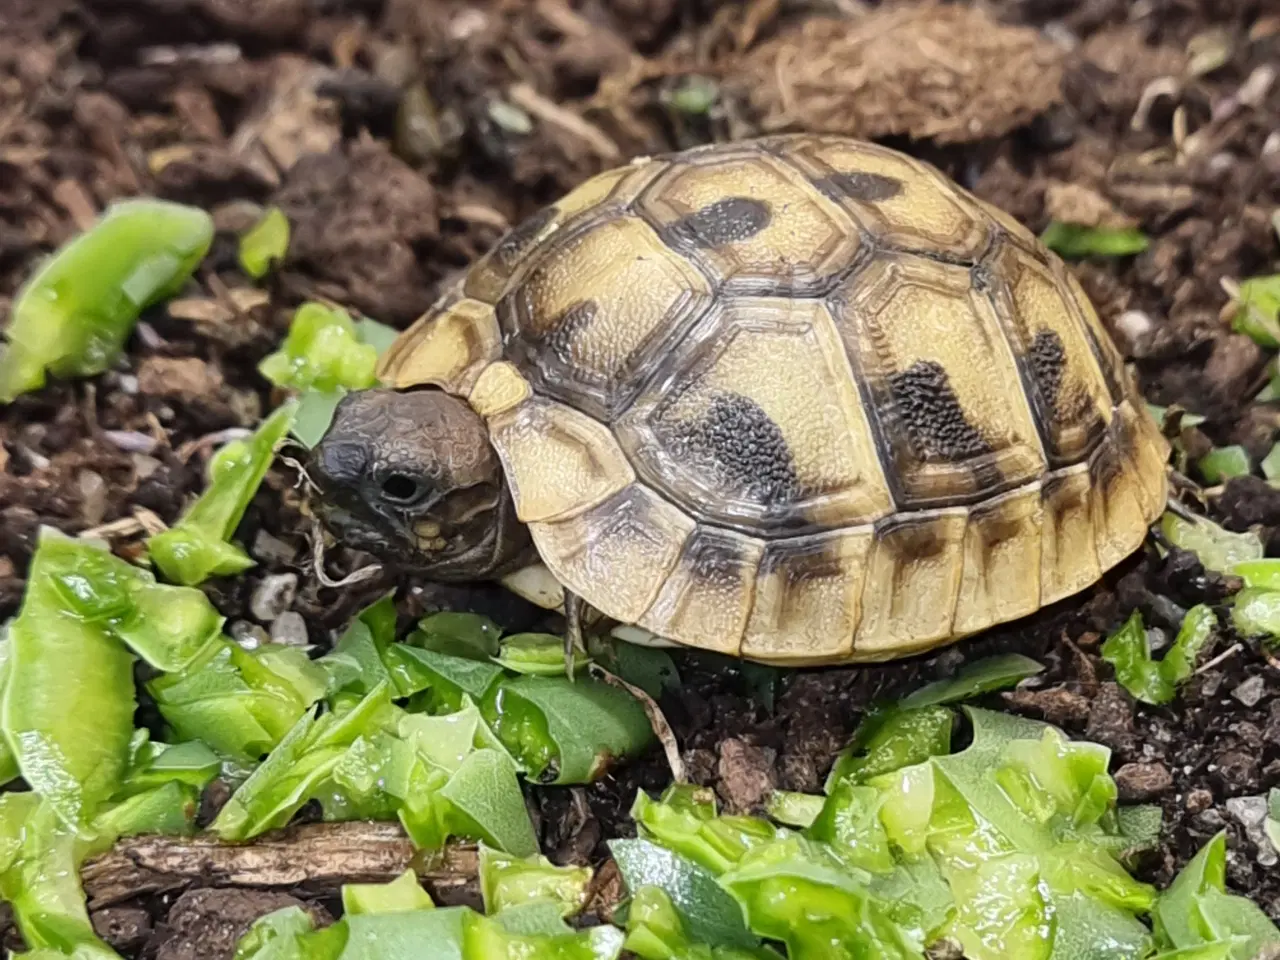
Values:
[(402, 138)]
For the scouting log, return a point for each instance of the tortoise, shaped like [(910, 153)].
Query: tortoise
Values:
[(801, 400)]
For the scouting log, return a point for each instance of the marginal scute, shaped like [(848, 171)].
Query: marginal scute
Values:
[(925, 214), (1001, 576), (1121, 503), (707, 599), (757, 225), (1149, 453), (1068, 553), (448, 348), (912, 585), (594, 313), (619, 552), (808, 600), (760, 425), (558, 461), (943, 384)]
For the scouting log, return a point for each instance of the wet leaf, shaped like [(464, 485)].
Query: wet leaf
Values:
[(794, 809), (265, 244), (507, 882), (199, 546), (1197, 911), (579, 727), (402, 894), (710, 914), (1258, 310), (975, 679), (1218, 549), (1255, 612), (323, 352), (1223, 463), (1075, 241), (72, 318), (1129, 652)]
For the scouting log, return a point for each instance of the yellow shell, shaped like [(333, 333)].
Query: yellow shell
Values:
[(801, 400)]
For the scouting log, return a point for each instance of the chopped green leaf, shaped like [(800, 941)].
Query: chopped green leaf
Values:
[(1075, 241), (1130, 653), (1258, 310), (1263, 574), (650, 669), (377, 335), (655, 931), (1197, 911), (891, 738), (486, 795), (322, 351), (72, 318), (400, 895), (794, 809), (1218, 549), (975, 679), (537, 654), (507, 881), (315, 413), (68, 703), (265, 243), (567, 731), (1255, 612), (458, 634), (707, 911), (1271, 463), (199, 545), (1223, 463), (685, 821)]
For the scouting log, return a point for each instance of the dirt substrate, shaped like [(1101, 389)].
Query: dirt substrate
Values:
[(403, 137)]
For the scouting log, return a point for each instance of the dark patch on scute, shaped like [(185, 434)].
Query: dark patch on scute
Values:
[(510, 248), (936, 425), (867, 187), (741, 447), (1048, 361), (911, 539), (714, 558), (566, 326), (1107, 462), (726, 221), (804, 560)]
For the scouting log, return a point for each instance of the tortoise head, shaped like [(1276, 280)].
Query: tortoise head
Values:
[(412, 478)]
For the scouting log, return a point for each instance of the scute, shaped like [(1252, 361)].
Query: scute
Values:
[(801, 400)]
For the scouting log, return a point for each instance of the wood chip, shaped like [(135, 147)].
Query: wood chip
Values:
[(316, 857)]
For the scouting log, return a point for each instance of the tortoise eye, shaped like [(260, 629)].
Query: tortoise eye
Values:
[(401, 489)]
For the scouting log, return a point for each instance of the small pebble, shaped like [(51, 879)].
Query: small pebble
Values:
[(1251, 812), (1142, 781), (130, 441), (271, 549), (1251, 691), (143, 466), (1199, 800), (289, 628), (250, 636), (93, 497), (273, 596)]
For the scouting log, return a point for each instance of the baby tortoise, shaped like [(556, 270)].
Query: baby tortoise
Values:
[(800, 400)]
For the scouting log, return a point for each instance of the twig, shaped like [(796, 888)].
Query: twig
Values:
[(661, 729), (1225, 655), (528, 99), (318, 857), (184, 452)]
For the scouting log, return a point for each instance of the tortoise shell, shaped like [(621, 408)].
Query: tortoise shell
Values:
[(800, 399)]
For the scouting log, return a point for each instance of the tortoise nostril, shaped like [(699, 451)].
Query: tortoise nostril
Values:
[(400, 488)]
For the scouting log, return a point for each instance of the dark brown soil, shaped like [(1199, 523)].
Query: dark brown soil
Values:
[(403, 138)]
